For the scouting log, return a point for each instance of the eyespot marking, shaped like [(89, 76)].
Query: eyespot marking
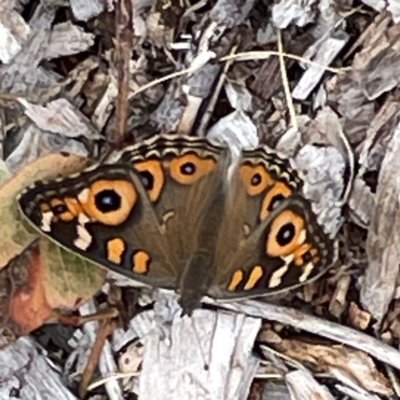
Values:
[(304, 254), (140, 262), (115, 250), (190, 167), (152, 176), (279, 192), (57, 205), (255, 275), (236, 278), (65, 209), (287, 234), (255, 178), (108, 201)]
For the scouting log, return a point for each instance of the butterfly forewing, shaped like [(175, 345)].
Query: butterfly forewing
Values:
[(184, 173), (104, 214)]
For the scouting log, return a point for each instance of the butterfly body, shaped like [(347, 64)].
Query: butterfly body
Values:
[(178, 213)]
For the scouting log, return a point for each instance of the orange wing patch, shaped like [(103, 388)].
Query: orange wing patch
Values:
[(237, 277), (255, 275), (73, 206), (107, 201), (63, 209), (141, 262), (304, 254), (115, 250)]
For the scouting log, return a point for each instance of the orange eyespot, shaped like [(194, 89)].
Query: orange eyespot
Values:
[(152, 175), (61, 210), (305, 254), (287, 233), (108, 201), (279, 192), (255, 178), (55, 202), (190, 167), (140, 262)]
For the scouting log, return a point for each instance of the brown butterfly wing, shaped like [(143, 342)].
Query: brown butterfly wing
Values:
[(104, 215), (160, 206), (269, 239), (187, 178), (167, 215)]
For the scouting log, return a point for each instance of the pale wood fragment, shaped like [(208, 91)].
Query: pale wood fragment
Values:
[(383, 244), (84, 10), (24, 368), (334, 331)]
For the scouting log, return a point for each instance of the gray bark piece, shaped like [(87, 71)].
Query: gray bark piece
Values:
[(295, 12), (394, 9), (22, 75), (25, 371), (303, 386), (169, 114), (383, 244), (223, 341), (325, 55), (231, 12), (84, 10), (309, 323)]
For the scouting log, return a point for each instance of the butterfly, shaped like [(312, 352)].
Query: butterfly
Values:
[(180, 212)]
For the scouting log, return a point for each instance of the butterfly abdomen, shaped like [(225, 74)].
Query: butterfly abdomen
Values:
[(195, 282)]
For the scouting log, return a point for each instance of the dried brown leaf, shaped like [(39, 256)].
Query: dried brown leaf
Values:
[(354, 364), (36, 275)]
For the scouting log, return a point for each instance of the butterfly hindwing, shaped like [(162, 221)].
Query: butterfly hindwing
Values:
[(269, 239)]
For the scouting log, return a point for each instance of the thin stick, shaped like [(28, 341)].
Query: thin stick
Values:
[(285, 82), (123, 53)]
